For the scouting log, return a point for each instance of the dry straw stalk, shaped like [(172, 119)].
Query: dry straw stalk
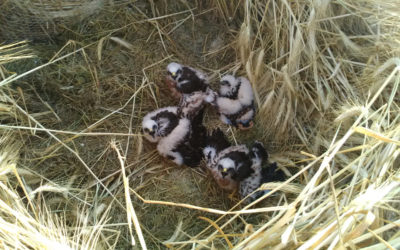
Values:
[(75, 172)]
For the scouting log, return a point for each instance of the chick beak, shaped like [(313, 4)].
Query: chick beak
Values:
[(173, 74), (224, 172), (151, 132)]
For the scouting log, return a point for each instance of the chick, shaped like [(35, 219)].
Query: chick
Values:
[(235, 102), (227, 164), (192, 86), (262, 172), (177, 138), (159, 123), (215, 143), (186, 79)]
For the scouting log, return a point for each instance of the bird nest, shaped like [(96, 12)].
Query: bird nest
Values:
[(75, 171)]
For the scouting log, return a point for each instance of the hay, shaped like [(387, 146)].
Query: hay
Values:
[(42, 20), (326, 76)]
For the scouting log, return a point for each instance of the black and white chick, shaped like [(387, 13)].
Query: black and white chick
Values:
[(159, 123), (215, 143), (187, 79), (229, 165), (238, 167), (177, 138), (262, 172), (235, 102), (192, 85)]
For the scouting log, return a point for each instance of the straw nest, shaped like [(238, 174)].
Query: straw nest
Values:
[(76, 173)]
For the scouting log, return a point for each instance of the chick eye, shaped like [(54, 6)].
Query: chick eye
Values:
[(179, 71), (154, 127), (224, 83)]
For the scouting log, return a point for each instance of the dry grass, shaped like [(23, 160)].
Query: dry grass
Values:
[(75, 172)]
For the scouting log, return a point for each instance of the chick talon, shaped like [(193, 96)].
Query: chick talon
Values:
[(231, 196)]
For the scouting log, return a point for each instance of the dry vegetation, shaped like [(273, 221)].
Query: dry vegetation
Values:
[(76, 174)]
